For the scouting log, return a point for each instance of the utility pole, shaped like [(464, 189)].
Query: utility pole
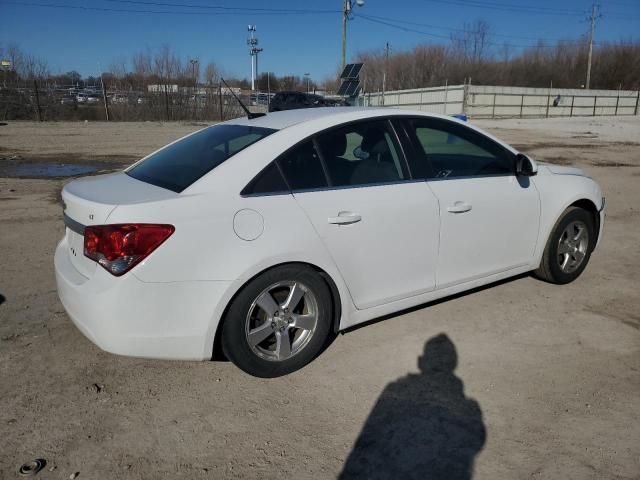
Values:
[(347, 6), (252, 41), (384, 74), (594, 16)]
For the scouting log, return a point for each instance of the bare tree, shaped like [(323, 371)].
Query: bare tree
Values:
[(472, 43)]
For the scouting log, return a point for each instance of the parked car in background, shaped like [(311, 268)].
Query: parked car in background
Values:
[(94, 98), (118, 98), (265, 236), (68, 100), (295, 100), (81, 97)]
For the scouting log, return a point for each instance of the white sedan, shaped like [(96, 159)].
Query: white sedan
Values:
[(261, 238)]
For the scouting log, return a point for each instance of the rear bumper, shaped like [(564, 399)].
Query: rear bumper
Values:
[(126, 316)]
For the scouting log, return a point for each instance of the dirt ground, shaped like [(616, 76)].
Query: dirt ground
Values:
[(520, 380)]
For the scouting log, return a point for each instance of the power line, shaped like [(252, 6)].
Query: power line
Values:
[(533, 9), (510, 8), (452, 29), (166, 12), (422, 32), (220, 7)]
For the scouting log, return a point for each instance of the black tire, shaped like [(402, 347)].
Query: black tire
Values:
[(235, 344), (550, 269)]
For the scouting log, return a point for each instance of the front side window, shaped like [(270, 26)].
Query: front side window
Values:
[(181, 164), (445, 149), (302, 168), (362, 153)]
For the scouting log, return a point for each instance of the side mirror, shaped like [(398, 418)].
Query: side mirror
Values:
[(525, 166)]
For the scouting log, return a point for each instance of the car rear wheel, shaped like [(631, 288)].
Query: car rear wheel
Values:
[(568, 248), (279, 322)]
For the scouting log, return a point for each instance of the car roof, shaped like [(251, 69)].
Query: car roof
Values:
[(288, 118)]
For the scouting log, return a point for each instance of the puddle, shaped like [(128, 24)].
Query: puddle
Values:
[(44, 169)]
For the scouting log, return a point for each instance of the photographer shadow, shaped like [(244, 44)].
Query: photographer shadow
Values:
[(422, 425)]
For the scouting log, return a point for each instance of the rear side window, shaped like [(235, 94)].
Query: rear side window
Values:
[(362, 153), (268, 180), (181, 164), (302, 168)]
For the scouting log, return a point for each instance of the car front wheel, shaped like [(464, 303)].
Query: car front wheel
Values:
[(279, 322), (569, 247)]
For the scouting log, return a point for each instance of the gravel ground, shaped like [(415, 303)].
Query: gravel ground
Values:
[(519, 380)]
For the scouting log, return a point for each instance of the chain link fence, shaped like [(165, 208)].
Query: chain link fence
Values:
[(33, 101)]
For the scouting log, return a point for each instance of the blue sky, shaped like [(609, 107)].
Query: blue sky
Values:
[(293, 42)]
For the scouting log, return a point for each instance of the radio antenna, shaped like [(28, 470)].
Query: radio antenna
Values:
[(250, 115)]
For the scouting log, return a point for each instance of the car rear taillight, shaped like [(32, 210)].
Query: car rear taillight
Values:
[(118, 248)]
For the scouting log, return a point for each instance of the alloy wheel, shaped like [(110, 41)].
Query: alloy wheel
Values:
[(281, 320), (573, 246)]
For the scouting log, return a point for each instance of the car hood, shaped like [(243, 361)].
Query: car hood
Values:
[(562, 169)]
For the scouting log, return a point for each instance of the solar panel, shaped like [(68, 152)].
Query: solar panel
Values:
[(343, 88), (350, 81), (347, 71), (355, 71), (349, 88), (353, 88), (351, 71)]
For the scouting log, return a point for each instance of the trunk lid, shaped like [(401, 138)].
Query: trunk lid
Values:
[(90, 201)]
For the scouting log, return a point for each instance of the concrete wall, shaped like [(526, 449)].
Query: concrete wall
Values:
[(447, 100), (489, 101), (481, 101)]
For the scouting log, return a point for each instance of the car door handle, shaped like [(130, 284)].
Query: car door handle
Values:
[(459, 207), (345, 218)]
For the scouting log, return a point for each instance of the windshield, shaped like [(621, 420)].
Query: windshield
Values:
[(181, 164)]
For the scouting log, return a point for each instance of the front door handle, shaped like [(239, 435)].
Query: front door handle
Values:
[(459, 207), (345, 218)]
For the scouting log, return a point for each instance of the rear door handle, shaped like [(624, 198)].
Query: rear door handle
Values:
[(344, 218), (459, 207)]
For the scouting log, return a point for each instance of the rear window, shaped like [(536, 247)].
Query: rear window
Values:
[(181, 164)]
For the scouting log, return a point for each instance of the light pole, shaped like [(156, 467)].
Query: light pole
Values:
[(347, 6), (252, 41), (306, 76), (193, 63)]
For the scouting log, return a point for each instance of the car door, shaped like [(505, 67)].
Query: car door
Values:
[(489, 217), (380, 227)]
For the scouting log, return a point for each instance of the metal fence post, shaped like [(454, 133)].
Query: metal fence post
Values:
[(617, 102), (635, 112), (595, 102), (549, 98), (446, 94), (493, 110), (573, 98), (521, 104), (465, 93)]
